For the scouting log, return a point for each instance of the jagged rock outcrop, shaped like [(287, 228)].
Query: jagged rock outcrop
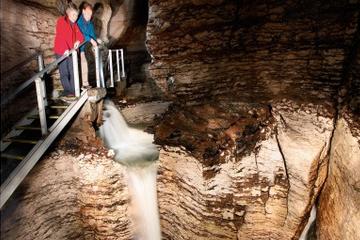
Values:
[(338, 213), (245, 172)]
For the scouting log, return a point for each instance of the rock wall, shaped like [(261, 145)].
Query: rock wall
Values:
[(70, 195), (241, 172), (250, 50), (338, 213)]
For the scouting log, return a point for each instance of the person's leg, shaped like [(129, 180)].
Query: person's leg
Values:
[(84, 70), (71, 75), (64, 75)]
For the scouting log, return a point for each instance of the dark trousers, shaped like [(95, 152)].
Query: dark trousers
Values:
[(67, 75)]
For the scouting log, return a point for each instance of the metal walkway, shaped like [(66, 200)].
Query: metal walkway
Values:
[(32, 136)]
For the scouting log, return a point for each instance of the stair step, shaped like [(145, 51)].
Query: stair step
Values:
[(64, 98), (19, 140), (10, 156), (27, 127), (49, 117), (59, 106)]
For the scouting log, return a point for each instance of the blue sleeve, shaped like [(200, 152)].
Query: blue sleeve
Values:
[(92, 33), (86, 31)]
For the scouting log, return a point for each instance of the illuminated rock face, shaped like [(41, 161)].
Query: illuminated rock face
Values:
[(339, 214), (70, 196), (243, 173)]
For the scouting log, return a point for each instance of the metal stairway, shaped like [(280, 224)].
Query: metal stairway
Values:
[(32, 136)]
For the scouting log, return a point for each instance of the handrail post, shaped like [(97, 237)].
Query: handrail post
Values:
[(122, 63), (111, 66), (40, 62), (76, 73), (97, 66), (41, 106), (102, 78), (43, 86), (118, 65)]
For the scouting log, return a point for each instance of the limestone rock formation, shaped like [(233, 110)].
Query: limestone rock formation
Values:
[(70, 194), (241, 171), (254, 51), (249, 144), (144, 113), (339, 213)]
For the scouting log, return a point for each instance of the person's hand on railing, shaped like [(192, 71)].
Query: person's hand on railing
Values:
[(67, 53), (93, 42), (76, 45)]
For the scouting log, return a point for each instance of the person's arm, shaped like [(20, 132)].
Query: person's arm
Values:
[(79, 35), (83, 29), (92, 31), (61, 36)]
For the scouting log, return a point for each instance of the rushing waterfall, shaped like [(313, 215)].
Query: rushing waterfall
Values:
[(135, 149)]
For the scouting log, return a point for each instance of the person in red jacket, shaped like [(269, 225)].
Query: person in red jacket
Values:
[(68, 36)]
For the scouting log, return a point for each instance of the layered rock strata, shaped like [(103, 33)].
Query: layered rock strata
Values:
[(232, 171), (70, 195), (255, 51)]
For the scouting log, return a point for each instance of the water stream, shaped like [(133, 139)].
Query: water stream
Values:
[(134, 148)]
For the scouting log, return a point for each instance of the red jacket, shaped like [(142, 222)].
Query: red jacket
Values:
[(66, 35)]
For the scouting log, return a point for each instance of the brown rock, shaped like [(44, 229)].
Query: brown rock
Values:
[(259, 185), (69, 196), (339, 212)]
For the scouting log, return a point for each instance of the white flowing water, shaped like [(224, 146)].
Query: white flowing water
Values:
[(312, 218), (134, 148)]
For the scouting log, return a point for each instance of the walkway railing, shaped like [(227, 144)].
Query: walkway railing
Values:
[(114, 55), (49, 130), (39, 79)]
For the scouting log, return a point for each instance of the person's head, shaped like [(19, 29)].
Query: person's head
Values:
[(86, 10), (72, 12)]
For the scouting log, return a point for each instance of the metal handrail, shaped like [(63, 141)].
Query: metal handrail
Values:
[(120, 65), (49, 68)]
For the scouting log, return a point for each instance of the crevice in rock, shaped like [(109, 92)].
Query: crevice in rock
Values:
[(286, 171)]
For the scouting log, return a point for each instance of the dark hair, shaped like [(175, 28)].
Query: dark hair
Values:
[(85, 5)]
